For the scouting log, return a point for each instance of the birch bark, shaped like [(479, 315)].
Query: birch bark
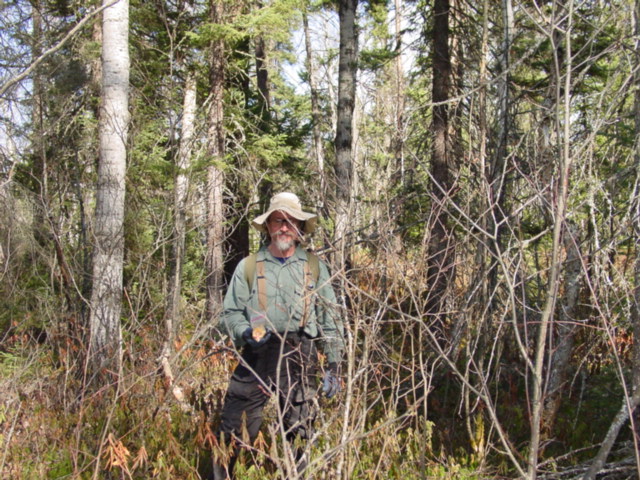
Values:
[(105, 345), (316, 114), (172, 317)]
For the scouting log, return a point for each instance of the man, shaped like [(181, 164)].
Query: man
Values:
[(277, 310)]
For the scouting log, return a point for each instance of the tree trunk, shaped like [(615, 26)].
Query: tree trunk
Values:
[(173, 314), (478, 297), (497, 171), (564, 332), (316, 114), (440, 245), (262, 77), (105, 346), (347, 72), (39, 141), (343, 142), (215, 176), (559, 107), (628, 404), (397, 140), (635, 311)]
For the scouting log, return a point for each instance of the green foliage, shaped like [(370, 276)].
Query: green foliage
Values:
[(8, 364), (375, 59), (53, 426), (211, 32), (274, 20)]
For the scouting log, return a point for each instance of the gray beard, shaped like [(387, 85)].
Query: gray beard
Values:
[(283, 245)]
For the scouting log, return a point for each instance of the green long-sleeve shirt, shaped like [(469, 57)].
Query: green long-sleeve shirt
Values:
[(285, 291)]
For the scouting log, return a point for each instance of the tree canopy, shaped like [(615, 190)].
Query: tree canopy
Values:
[(475, 167)]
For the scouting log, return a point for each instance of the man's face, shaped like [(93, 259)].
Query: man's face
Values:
[(283, 230)]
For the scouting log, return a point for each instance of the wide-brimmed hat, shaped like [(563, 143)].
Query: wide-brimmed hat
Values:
[(288, 203)]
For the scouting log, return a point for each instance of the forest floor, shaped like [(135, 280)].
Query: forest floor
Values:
[(53, 428)]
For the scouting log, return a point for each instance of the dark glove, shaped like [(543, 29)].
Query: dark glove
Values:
[(331, 382), (247, 336)]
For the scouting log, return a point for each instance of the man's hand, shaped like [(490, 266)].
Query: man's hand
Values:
[(253, 340), (331, 382)]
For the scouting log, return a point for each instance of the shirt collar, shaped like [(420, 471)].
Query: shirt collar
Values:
[(265, 254)]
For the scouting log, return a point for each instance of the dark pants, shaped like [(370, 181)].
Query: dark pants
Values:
[(286, 366)]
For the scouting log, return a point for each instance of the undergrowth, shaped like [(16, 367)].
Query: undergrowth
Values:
[(52, 428)]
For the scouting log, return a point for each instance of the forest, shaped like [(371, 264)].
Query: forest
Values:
[(475, 167)]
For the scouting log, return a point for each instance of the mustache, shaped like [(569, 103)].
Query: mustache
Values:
[(290, 232)]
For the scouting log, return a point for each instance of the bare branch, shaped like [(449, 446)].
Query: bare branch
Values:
[(25, 73)]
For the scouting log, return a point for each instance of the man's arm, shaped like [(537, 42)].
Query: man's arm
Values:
[(329, 318), (234, 320)]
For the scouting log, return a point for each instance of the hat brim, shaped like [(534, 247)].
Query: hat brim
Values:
[(310, 219)]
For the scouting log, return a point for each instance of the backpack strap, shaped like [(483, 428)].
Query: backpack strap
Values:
[(314, 266), (262, 286), (311, 274), (250, 269), (253, 267)]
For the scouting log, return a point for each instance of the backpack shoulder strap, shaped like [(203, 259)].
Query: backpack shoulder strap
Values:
[(314, 265), (250, 269), (251, 265), (262, 286), (312, 269), (311, 274)]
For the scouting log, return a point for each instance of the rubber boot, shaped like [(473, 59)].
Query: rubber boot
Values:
[(302, 460), (224, 472)]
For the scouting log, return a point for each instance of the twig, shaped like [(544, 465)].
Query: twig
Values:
[(25, 73), (628, 405), (8, 439), (177, 392)]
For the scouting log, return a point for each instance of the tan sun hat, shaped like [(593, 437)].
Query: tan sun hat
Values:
[(288, 203)]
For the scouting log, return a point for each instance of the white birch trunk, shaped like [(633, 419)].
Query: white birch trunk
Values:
[(172, 318), (316, 113), (105, 347)]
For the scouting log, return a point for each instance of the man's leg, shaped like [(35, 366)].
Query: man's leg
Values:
[(298, 419), (297, 397), (243, 405)]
